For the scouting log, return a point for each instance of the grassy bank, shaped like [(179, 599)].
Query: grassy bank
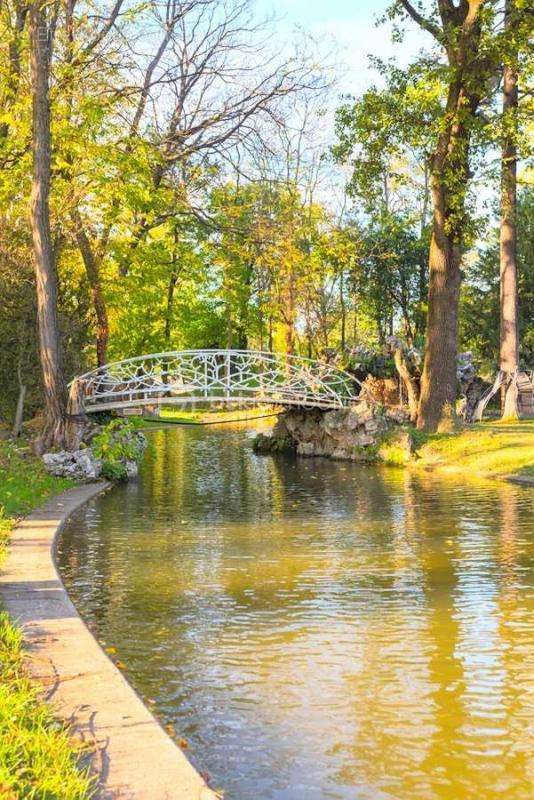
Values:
[(38, 759), (24, 484), (490, 450)]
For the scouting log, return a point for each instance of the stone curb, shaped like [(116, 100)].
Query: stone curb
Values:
[(132, 756)]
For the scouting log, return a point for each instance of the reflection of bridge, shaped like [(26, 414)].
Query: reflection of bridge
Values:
[(243, 376)]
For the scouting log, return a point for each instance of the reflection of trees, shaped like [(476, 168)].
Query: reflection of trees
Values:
[(394, 600), (445, 756), (516, 607)]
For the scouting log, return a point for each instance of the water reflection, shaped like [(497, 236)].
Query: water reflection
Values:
[(316, 629)]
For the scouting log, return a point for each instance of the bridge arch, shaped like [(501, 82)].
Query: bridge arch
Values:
[(243, 376)]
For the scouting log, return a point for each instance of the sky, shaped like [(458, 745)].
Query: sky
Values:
[(350, 27), (346, 31)]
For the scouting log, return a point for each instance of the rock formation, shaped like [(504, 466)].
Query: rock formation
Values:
[(352, 434)]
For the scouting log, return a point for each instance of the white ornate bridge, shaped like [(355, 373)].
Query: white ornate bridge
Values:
[(243, 376)]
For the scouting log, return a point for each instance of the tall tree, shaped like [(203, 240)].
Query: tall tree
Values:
[(53, 433), (386, 137), (461, 30), (509, 344)]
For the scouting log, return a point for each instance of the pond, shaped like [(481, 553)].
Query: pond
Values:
[(315, 629)]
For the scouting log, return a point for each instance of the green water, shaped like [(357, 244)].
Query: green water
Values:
[(314, 629)]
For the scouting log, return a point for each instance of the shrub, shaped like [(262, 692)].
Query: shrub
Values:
[(119, 443)]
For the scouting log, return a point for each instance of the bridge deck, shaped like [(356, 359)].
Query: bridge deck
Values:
[(183, 401)]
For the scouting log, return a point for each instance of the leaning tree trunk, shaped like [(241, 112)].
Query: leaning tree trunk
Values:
[(407, 380), (509, 349), (45, 274)]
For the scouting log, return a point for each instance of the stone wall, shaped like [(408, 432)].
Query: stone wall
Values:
[(352, 434)]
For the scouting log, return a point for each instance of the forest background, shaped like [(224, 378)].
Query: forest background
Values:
[(196, 174)]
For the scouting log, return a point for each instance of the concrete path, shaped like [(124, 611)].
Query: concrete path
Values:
[(133, 757)]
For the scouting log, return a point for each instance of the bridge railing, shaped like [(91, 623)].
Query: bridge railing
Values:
[(239, 375)]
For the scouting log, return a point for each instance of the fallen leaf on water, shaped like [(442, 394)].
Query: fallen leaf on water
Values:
[(183, 744), (111, 649)]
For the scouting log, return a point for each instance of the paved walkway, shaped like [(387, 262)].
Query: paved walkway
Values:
[(133, 757)]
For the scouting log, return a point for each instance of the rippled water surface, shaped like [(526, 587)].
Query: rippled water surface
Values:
[(314, 629)]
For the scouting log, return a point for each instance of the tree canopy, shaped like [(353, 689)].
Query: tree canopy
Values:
[(201, 195)]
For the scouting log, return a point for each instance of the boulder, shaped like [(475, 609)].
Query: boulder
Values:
[(79, 465)]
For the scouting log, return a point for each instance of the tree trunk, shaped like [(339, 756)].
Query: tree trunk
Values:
[(290, 339), (289, 314), (76, 415), (420, 316), (509, 349), (438, 380), (229, 328), (170, 308), (289, 335), (45, 273), (380, 329), (355, 299), (92, 269), (460, 32), (19, 415), (407, 380), (343, 310)]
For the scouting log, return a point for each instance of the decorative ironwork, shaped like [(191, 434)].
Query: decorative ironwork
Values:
[(244, 376)]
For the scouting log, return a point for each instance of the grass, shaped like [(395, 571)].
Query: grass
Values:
[(24, 484), (490, 449), (207, 416), (38, 759)]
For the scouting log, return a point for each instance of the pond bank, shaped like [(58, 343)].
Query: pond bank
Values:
[(38, 757), (130, 753), (488, 450), (372, 435)]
